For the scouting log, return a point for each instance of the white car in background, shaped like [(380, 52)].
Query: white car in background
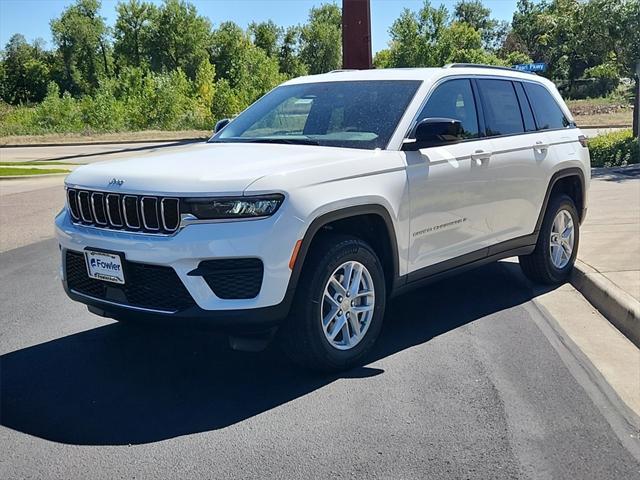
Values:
[(301, 217)]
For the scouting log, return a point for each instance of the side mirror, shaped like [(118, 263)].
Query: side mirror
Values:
[(220, 124), (432, 132)]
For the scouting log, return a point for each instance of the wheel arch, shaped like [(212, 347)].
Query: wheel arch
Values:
[(352, 220), (570, 181)]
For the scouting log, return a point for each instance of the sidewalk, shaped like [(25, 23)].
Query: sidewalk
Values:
[(608, 267)]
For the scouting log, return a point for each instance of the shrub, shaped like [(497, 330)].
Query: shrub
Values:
[(58, 114), (614, 149)]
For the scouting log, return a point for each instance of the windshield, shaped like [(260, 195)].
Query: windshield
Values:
[(362, 114)]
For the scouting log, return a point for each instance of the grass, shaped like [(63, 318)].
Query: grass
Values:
[(64, 138), (622, 118), (614, 110), (22, 172), (26, 164)]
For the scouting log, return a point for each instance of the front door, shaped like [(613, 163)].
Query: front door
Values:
[(447, 185)]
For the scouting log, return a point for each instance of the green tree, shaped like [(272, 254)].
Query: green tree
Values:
[(474, 13), (407, 45), (81, 36), (289, 57), (25, 71), (132, 32), (321, 39), (245, 68), (427, 38), (179, 38), (203, 92), (266, 35)]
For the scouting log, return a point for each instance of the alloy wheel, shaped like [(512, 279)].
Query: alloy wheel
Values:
[(348, 304), (562, 239)]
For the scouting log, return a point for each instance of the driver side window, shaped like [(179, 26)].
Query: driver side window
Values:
[(454, 99)]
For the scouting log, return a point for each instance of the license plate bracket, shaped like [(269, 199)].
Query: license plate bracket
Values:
[(105, 265)]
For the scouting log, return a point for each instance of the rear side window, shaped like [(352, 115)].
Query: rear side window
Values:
[(547, 112), (525, 107), (454, 99), (501, 108)]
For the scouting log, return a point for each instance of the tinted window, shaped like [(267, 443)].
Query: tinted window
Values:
[(356, 114), (548, 113), (454, 99), (501, 108), (525, 107)]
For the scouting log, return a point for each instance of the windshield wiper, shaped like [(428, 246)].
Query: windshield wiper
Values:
[(287, 141)]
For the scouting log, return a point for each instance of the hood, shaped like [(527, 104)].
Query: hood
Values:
[(205, 168)]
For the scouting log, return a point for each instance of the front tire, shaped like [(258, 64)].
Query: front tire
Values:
[(339, 306), (555, 254)]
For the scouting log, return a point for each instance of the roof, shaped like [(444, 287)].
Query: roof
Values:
[(414, 74)]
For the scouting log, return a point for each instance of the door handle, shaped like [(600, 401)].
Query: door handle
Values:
[(480, 156), (540, 145)]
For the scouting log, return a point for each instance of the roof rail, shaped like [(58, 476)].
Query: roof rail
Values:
[(344, 70), (482, 65)]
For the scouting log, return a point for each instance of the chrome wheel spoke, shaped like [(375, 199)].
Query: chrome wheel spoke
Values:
[(339, 325), (339, 288), (356, 278), (360, 295), (346, 335), (354, 323), (326, 320), (346, 279), (557, 256), (362, 308)]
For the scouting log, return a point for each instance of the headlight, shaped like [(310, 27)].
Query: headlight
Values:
[(233, 207)]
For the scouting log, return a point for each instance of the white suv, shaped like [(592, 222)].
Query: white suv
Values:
[(326, 197)]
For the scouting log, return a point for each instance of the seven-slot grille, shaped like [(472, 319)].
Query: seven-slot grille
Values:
[(138, 213)]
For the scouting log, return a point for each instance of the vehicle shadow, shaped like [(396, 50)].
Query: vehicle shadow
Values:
[(616, 174), (118, 385)]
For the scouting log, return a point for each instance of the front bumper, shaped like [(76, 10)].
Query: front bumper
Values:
[(272, 240), (253, 320)]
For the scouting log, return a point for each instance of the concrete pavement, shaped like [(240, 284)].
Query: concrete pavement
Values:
[(610, 236), (607, 272)]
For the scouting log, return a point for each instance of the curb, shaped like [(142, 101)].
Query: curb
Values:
[(617, 306), (27, 177), (605, 126)]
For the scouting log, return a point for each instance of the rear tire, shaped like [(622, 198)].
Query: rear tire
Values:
[(339, 306), (555, 254)]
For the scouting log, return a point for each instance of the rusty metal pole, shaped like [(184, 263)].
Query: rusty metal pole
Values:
[(356, 34)]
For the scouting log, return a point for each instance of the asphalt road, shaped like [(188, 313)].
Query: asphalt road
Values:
[(468, 380)]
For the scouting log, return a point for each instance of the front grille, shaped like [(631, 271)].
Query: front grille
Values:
[(232, 278), (147, 286), (115, 211)]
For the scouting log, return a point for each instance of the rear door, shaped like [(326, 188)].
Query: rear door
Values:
[(516, 181), (555, 132)]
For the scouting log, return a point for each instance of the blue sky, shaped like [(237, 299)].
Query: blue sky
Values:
[(31, 17)]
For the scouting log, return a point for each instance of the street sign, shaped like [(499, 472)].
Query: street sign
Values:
[(531, 67)]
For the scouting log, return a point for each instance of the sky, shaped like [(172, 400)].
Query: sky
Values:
[(32, 17)]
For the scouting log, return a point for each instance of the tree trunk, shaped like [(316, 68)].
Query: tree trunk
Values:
[(104, 59)]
